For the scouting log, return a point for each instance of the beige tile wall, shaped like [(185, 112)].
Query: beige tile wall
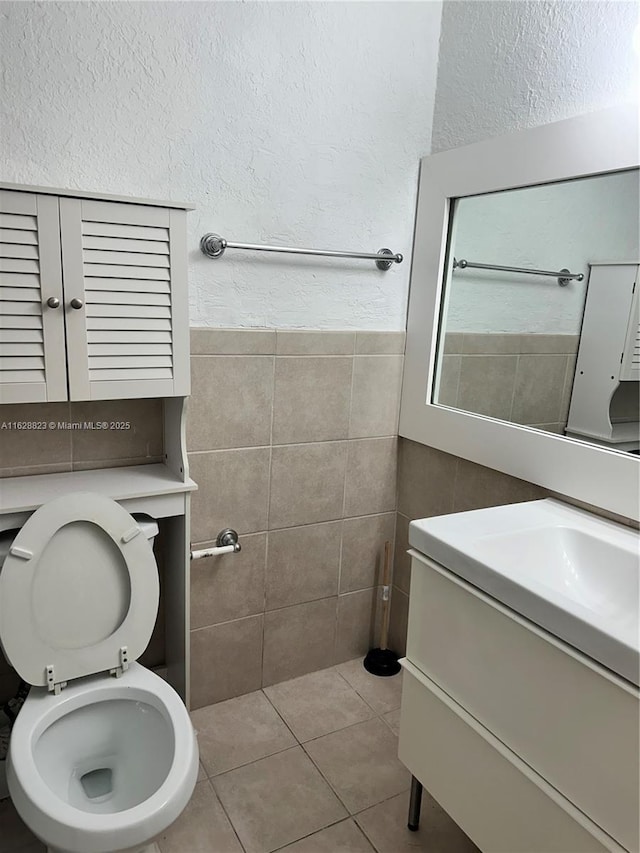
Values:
[(293, 442), (526, 379), (43, 451), (430, 483), (292, 439)]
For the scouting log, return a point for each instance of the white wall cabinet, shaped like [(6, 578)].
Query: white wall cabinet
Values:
[(608, 357), (93, 298), (94, 306)]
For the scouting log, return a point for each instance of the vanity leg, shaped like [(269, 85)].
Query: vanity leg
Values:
[(415, 801)]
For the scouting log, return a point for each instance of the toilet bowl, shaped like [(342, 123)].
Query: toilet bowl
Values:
[(106, 765), (96, 764)]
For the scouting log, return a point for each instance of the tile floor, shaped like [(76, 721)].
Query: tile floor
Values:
[(306, 766)]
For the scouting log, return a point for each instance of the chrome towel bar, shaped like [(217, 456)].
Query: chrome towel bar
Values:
[(213, 246), (563, 275)]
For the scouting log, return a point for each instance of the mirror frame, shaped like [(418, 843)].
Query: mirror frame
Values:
[(593, 144)]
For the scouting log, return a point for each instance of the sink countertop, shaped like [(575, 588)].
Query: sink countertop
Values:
[(570, 572)]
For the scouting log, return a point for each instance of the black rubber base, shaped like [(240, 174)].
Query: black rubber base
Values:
[(413, 827), (382, 662)]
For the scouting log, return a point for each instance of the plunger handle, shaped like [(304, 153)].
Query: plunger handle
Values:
[(386, 572)]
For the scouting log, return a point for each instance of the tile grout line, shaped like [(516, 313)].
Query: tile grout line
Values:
[(515, 385), (345, 594), (351, 817), (365, 836), (321, 354), (210, 542), (376, 715), (454, 491), (344, 493), (301, 745), (356, 815), (267, 520), (346, 807), (344, 728), (266, 696), (226, 814), (253, 760), (243, 447), (569, 375), (289, 844), (396, 512), (386, 722), (458, 382), (327, 782), (229, 622), (328, 826), (355, 689)]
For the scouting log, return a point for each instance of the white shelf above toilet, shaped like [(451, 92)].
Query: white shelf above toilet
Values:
[(139, 488)]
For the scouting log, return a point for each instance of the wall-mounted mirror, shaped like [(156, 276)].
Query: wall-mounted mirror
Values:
[(516, 319), (534, 375)]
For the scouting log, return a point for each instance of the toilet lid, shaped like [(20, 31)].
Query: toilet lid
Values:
[(79, 584)]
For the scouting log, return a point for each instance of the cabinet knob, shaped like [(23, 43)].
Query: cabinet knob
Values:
[(76, 303), (53, 302)]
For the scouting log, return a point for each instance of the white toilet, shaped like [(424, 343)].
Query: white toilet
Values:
[(96, 763)]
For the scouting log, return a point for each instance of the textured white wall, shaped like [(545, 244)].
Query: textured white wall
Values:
[(295, 123), (550, 227), (505, 66)]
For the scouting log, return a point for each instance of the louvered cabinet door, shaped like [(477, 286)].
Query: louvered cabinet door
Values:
[(32, 349), (124, 268)]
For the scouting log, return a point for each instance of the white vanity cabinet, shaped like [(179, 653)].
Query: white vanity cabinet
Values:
[(526, 742), (93, 297)]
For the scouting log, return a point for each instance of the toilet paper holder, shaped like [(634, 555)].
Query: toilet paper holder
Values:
[(226, 543)]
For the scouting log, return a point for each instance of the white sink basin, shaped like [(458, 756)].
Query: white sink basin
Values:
[(572, 573)]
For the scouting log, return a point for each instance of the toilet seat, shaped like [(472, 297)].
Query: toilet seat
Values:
[(79, 591)]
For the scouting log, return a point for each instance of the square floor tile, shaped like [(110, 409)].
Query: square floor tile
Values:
[(317, 704), (277, 800), (344, 837), (361, 764), (385, 825), (201, 828), (238, 731), (383, 694)]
